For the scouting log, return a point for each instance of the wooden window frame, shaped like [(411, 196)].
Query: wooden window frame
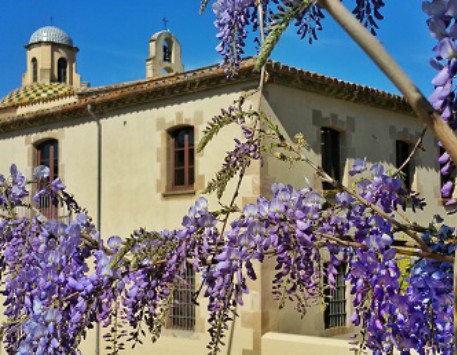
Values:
[(188, 149), (331, 154)]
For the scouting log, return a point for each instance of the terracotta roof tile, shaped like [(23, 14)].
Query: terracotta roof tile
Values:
[(112, 97)]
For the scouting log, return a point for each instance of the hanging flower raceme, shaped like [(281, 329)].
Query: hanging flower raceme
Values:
[(233, 18), (443, 27)]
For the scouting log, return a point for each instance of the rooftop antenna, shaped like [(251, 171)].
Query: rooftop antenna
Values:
[(165, 24)]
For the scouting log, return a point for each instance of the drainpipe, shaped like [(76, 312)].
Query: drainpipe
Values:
[(99, 205)]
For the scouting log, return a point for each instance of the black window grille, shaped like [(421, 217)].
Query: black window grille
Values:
[(182, 313), (335, 300)]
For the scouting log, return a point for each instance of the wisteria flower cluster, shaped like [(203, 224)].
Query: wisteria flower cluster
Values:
[(52, 297), (234, 17), (442, 25)]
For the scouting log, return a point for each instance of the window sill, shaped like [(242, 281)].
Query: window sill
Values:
[(174, 193), (190, 334), (337, 331)]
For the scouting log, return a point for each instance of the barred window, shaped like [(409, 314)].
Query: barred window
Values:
[(182, 313), (330, 152), (335, 299)]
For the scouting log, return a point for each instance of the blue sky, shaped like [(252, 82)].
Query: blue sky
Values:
[(113, 40)]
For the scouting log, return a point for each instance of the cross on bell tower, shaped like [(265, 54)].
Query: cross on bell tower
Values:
[(164, 54)]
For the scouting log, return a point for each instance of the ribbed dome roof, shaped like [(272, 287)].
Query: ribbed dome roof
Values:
[(36, 92), (51, 34)]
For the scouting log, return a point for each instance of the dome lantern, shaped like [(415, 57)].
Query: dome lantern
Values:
[(51, 58), (51, 34)]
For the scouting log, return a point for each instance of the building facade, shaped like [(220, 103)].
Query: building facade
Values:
[(127, 152)]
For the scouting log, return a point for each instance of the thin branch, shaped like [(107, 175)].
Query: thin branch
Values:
[(262, 41), (232, 202), (402, 251), (416, 147)]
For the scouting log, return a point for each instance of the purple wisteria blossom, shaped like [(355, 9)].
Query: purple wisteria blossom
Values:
[(235, 17), (53, 297), (443, 27)]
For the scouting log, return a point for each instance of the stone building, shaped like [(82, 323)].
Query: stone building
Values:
[(127, 152)]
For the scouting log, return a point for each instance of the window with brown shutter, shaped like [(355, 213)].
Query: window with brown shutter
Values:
[(182, 159)]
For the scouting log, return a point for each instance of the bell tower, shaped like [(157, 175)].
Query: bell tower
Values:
[(164, 55), (51, 57)]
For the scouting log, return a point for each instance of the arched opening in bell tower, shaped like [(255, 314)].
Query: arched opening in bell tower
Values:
[(62, 70), (167, 46), (34, 70)]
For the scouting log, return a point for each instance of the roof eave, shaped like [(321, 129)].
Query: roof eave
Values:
[(126, 95)]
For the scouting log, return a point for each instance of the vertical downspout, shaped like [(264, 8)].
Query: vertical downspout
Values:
[(99, 205)]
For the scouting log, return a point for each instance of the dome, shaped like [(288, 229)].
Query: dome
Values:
[(51, 34), (36, 92)]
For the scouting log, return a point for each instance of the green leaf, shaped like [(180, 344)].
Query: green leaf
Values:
[(278, 27)]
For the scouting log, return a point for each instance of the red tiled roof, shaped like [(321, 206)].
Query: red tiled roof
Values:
[(112, 97)]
